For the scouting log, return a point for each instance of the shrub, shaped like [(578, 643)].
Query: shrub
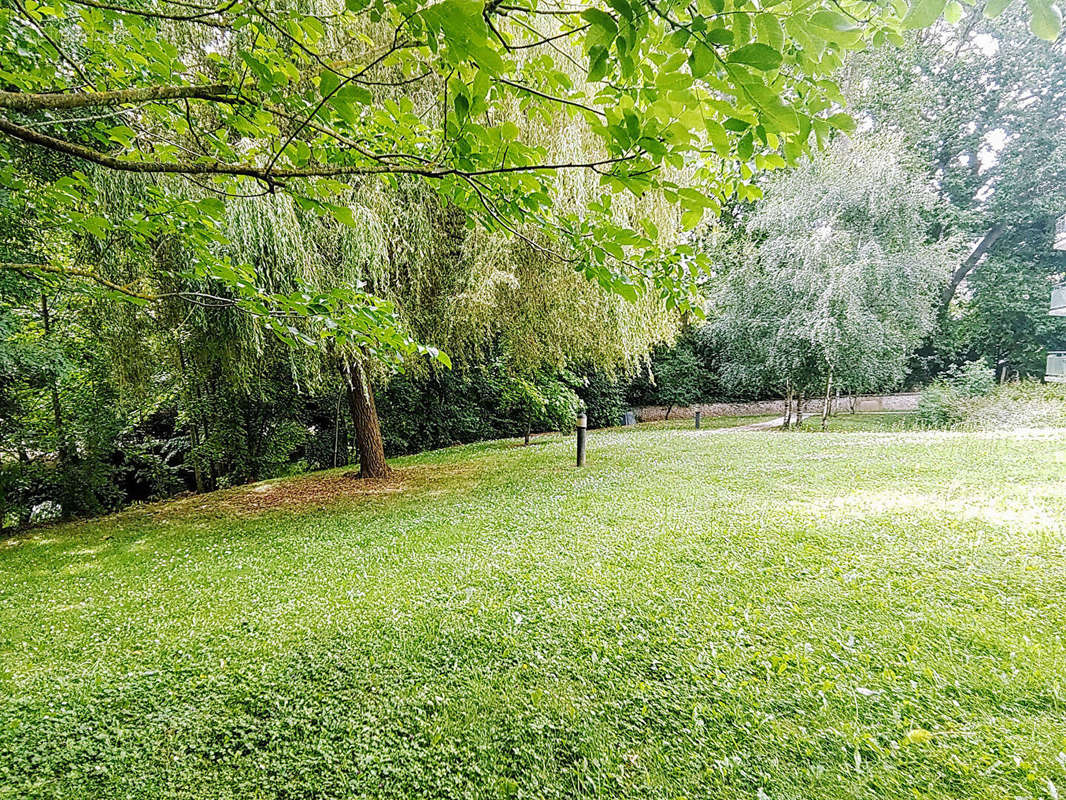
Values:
[(604, 397), (969, 399), (679, 378), (538, 403), (939, 406), (1023, 404), (949, 401), (973, 379)]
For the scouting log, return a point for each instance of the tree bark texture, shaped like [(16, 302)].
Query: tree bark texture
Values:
[(365, 424)]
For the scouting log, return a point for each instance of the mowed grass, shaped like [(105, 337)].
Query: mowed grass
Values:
[(845, 422), (695, 614), (707, 422)]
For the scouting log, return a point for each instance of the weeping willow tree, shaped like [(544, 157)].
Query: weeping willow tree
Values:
[(463, 290), (459, 286), (469, 292)]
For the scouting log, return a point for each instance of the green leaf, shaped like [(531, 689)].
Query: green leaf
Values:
[(842, 121), (701, 60), (834, 21), (923, 13), (343, 215), (462, 106), (690, 219), (122, 134), (995, 7), (97, 226), (719, 138), (770, 30), (758, 55), (602, 20), (746, 146), (1045, 20), (720, 36), (597, 63), (509, 131), (328, 82), (354, 94), (953, 12), (313, 28)]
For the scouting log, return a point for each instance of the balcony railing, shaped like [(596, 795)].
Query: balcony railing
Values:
[(1056, 367), (1058, 301)]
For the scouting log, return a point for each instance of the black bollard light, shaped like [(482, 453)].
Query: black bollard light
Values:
[(697, 420), (582, 424)]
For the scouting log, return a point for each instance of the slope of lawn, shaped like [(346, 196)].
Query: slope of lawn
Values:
[(695, 614)]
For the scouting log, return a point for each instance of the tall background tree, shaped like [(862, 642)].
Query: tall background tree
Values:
[(982, 104), (837, 283)]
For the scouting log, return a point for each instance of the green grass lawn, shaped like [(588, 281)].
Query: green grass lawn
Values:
[(845, 422), (695, 614), (706, 422)]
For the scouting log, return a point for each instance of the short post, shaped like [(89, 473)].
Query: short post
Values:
[(697, 420), (582, 425)]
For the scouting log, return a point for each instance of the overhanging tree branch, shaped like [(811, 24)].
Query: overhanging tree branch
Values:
[(273, 174), (202, 17), (201, 299), (530, 90), (41, 101), (75, 272)]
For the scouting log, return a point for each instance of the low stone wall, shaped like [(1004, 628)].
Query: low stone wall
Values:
[(886, 402)]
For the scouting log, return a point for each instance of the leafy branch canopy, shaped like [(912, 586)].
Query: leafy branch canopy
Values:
[(685, 100)]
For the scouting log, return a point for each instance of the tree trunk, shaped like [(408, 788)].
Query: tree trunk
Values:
[(788, 405), (66, 451), (365, 424), (57, 408), (825, 402), (336, 429), (529, 426), (799, 409), (960, 273), (197, 468), (194, 427), (668, 410)]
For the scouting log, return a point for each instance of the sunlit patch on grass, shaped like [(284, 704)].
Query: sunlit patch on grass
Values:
[(1015, 512)]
